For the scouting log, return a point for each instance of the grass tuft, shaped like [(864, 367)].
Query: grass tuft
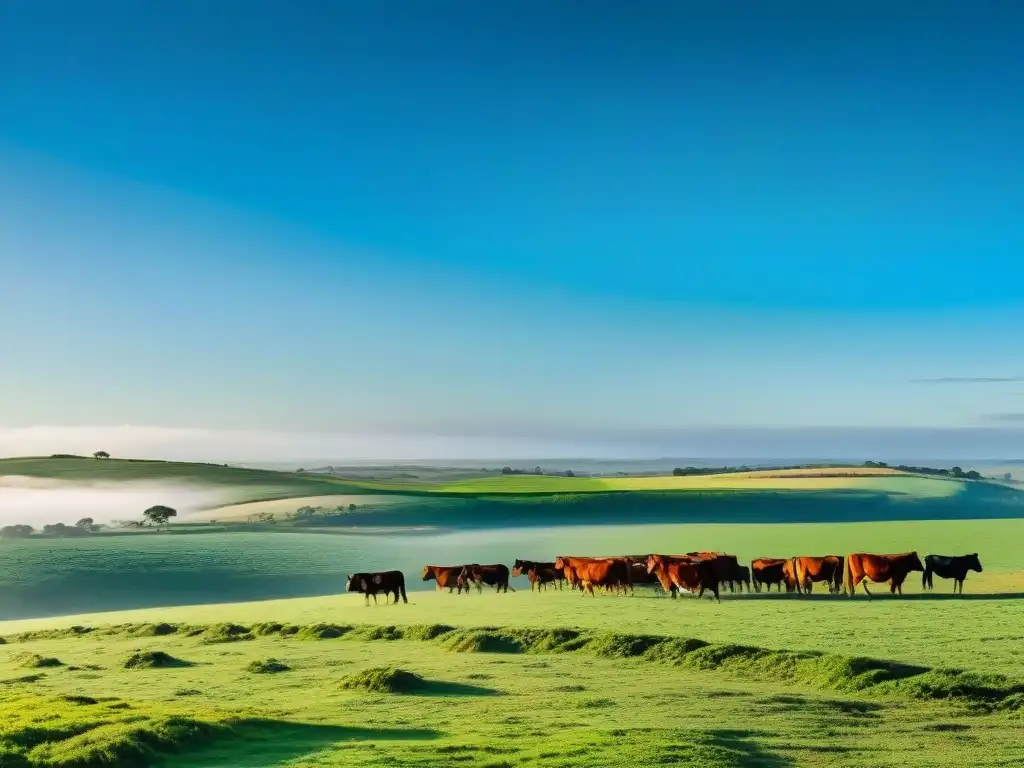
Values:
[(483, 641), (267, 666), (322, 632), (153, 660), (35, 661), (226, 633), (384, 680)]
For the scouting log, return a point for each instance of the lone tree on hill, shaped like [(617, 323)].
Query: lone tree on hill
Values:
[(101, 455), (159, 515)]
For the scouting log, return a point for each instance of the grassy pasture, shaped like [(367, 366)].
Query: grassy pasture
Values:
[(41, 577), (268, 484), (855, 478), (505, 697)]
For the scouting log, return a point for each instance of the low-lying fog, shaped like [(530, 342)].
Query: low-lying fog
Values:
[(38, 501)]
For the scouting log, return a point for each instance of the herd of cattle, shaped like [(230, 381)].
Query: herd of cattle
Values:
[(694, 572)]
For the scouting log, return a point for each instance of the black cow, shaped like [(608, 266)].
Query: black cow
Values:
[(388, 582), (492, 575), (949, 567), (540, 574)]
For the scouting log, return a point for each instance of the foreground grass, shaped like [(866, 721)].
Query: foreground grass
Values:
[(433, 695)]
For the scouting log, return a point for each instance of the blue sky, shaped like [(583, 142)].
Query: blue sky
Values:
[(568, 227)]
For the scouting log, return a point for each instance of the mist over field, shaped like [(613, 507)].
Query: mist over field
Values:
[(38, 501)]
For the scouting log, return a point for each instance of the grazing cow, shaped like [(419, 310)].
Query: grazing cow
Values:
[(862, 567), (592, 571), (772, 570), (446, 576), (540, 574), (388, 582), (495, 575), (949, 567), (828, 569), (687, 574)]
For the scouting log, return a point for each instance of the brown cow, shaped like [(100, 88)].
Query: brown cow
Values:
[(862, 567), (811, 569), (773, 570), (388, 582), (602, 572), (495, 575), (446, 576), (540, 574), (688, 574)]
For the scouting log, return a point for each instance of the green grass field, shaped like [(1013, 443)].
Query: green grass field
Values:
[(508, 697), (261, 484), (214, 678), (40, 577)]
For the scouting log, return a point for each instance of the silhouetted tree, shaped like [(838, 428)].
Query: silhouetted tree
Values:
[(973, 475), (159, 515), (570, 473), (956, 472), (16, 531), (101, 455), (1008, 476), (538, 471), (86, 524), (506, 470)]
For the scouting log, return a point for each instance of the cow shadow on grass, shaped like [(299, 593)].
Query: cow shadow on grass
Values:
[(269, 743)]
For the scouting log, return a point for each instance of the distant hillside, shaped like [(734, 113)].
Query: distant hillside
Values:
[(263, 483)]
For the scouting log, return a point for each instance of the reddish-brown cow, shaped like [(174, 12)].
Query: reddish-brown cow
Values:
[(828, 569), (446, 576), (602, 572), (862, 567), (686, 573)]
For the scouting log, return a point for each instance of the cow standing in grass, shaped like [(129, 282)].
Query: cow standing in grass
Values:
[(687, 574), (388, 582), (495, 575), (446, 576), (540, 574), (862, 567), (949, 567), (828, 569), (770, 571)]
